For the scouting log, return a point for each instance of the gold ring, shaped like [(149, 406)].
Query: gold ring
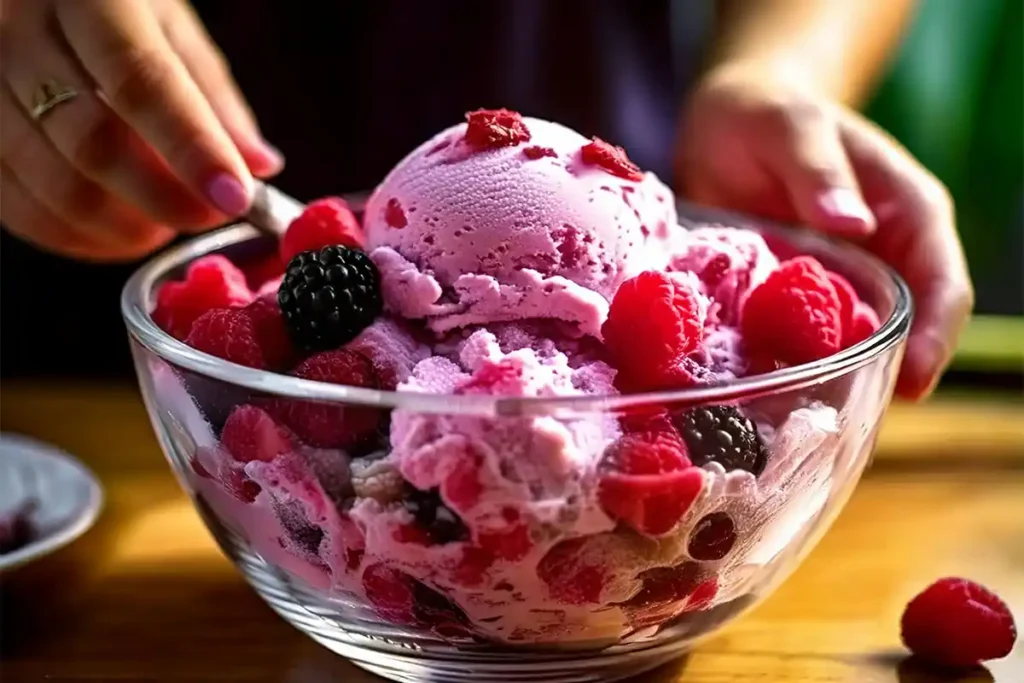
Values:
[(49, 95)]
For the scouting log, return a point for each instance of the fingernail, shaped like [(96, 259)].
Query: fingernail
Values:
[(228, 195), (270, 156), (845, 204)]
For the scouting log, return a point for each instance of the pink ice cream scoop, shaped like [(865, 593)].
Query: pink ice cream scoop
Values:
[(533, 227)]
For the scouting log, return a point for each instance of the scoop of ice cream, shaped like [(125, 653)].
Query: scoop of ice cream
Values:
[(729, 262), (469, 235)]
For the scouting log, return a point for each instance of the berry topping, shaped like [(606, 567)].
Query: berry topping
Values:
[(210, 282), (324, 223), (573, 577), (329, 297), (391, 593), (271, 334), (227, 333), (331, 425), (433, 517), (712, 538), (535, 152), (251, 434), (863, 324), (646, 481), (653, 322), (611, 158), (495, 128), (511, 544), (663, 585), (847, 297), (957, 623), (794, 315), (394, 214), (724, 435)]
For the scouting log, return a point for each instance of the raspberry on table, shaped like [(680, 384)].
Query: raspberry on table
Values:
[(325, 425), (613, 159), (230, 334), (794, 315), (647, 481), (210, 282), (724, 435), (653, 322), (324, 223), (957, 623), (251, 434), (495, 128), (329, 296)]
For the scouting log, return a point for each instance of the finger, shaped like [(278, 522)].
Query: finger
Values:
[(93, 138), (120, 44), (70, 196), (26, 218), (917, 236), (801, 146), (211, 72)]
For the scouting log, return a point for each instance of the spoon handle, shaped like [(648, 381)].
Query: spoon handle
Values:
[(272, 210)]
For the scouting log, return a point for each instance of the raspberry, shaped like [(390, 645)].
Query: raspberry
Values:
[(495, 128), (957, 623), (724, 435), (535, 152), (863, 324), (271, 333), (794, 315), (251, 434), (210, 282), (847, 297), (653, 322), (572, 577), (647, 481), (712, 538), (391, 594), (331, 425), (324, 223), (329, 296), (230, 334), (611, 158), (394, 214), (259, 272)]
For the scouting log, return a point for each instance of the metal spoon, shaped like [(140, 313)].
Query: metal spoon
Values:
[(272, 210)]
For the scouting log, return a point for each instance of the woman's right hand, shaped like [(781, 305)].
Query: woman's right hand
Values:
[(158, 139)]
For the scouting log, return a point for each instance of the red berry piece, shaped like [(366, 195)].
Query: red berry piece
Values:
[(495, 128), (572, 576), (227, 333), (794, 315), (863, 324), (251, 434), (331, 425), (394, 214), (653, 322), (712, 538), (271, 334), (210, 282), (702, 595), (611, 158), (391, 593), (535, 152), (664, 585), (647, 481), (958, 624), (847, 297), (511, 543), (324, 223)]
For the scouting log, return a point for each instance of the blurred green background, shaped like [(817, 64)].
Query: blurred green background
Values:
[(955, 98)]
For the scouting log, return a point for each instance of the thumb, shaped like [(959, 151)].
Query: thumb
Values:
[(809, 160)]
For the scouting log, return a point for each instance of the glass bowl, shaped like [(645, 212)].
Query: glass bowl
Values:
[(500, 563)]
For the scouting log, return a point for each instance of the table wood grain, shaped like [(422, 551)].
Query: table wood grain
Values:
[(146, 595)]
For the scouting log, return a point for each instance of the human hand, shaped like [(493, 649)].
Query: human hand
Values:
[(157, 140), (762, 144)]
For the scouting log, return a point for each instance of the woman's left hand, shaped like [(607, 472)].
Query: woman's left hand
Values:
[(756, 142)]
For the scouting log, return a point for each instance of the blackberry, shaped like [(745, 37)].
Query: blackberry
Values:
[(329, 296), (724, 435), (433, 516)]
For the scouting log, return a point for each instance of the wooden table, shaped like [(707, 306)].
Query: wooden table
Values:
[(146, 596)]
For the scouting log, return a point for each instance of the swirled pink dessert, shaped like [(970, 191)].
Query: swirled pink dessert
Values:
[(512, 258)]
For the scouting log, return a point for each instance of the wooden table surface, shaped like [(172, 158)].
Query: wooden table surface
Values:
[(146, 596)]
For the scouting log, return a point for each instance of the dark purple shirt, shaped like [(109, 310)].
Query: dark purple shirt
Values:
[(346, 87)]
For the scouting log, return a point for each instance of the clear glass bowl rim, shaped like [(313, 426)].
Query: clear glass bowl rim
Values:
[(139, 290)]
